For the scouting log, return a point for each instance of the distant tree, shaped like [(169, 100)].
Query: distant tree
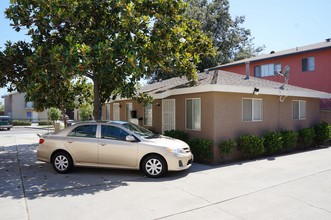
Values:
[(231, 41), (54, 114), (85, 112), (113, 43)]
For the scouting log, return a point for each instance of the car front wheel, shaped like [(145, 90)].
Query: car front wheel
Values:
[(154, 166), (62, 162)]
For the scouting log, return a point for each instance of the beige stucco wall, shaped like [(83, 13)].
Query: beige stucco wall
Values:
[(221, 115)]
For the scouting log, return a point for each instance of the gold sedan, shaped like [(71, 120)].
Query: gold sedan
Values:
[(114, 144)]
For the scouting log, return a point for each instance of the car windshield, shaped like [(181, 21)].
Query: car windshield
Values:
[(143, 132)]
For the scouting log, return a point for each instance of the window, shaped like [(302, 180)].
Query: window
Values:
[(111, 132), (193, 114), (116, 111), (267, 70), (299, 110), (252, 109), (84, 131), (148, 115), (107, 111), (308, 64), (28, 115), (128, 108)]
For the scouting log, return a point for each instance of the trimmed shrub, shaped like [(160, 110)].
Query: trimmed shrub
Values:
[(227, 147), (250, 146), (290, 139), (55, 114), (45, 123), (321, 132), (181, 135), (22, 122), (201, 149), (86, 112), (306, 137), (273, 142)]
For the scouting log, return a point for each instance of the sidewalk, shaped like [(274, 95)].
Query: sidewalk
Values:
[(296, 186)]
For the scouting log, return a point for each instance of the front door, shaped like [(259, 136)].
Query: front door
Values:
[(168, 115)]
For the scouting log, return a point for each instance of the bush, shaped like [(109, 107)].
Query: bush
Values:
[(181, 135), (21, 122), (54, 114), (321, 132), (306, 137), (250, 146), (226, 147), (290, 139), (201, 149), (45, 123), (86, 112), (273, 142)]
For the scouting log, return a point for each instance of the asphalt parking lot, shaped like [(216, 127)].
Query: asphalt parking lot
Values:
[(296, 186)]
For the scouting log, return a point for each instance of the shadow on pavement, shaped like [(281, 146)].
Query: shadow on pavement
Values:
[(21, 175)]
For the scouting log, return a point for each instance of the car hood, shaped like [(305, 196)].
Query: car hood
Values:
[(164, 141)]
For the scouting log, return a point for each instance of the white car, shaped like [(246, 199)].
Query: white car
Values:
[(114, 144)]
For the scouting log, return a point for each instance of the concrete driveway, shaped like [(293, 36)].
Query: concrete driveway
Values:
[(295, 186)]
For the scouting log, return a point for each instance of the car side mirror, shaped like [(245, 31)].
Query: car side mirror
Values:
[(130, 138)]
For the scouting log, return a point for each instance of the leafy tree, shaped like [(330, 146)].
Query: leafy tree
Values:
[(54, 114), (113, 43), (231, 41), (85, 112)]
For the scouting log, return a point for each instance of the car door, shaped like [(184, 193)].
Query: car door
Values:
[(82, 144), (114, 150)]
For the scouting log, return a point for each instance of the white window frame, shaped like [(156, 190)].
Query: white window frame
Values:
[(116, 111), (253, 110), (310, 64), (107, 111), (302, 110), (128, 109), (148, 115), (195, 128), (267, 70)]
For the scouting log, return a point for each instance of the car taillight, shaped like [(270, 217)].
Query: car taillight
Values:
[(41, 140)]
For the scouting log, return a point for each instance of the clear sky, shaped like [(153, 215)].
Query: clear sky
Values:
[(276, 24)]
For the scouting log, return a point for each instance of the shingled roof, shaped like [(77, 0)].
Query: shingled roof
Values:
[(302, 49), (223, 81)]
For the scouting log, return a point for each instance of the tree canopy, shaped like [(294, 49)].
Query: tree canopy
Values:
[(112, 43), (231, 41)]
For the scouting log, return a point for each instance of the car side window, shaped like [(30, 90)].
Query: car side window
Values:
[(112, 132), (88, 131)]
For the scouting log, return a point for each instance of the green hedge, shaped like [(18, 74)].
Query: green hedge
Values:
[(322, 132), (45, 123), (306, 137), (181, 135), (273, 142), (22, 122), (201, 149), (290, 139), (227, 147), (250, 146)]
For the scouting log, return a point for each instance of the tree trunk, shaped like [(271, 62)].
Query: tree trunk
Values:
[(64, 116), (97, 105)]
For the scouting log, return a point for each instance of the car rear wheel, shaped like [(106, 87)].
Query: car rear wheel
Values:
[(154, 166), (62, 162)]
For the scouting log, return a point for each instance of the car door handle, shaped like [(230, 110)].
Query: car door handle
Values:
[(70, 142), (102, 144)]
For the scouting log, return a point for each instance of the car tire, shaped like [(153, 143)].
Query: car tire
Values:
[(62, 162), (8, 129), (154, 166)]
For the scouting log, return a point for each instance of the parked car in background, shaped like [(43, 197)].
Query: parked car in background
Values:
[(6, 122), (114, 144)]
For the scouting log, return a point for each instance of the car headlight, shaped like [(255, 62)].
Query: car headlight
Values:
[(176, 150)]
